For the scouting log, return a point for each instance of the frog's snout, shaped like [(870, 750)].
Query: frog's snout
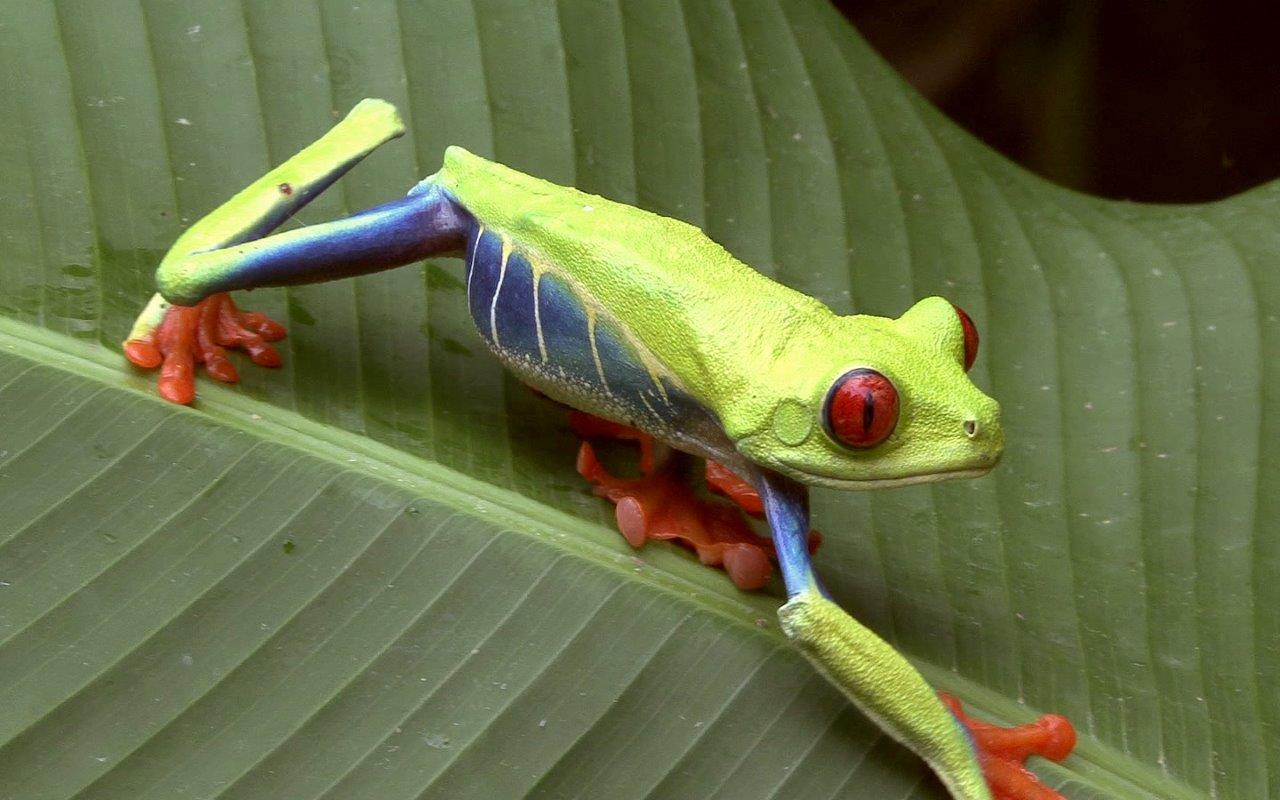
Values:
[(982, 429)]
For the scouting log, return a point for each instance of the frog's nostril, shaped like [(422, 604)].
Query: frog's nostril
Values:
[(971, 428)]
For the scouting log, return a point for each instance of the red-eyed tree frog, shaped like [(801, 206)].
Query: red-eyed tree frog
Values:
[(644, 322)]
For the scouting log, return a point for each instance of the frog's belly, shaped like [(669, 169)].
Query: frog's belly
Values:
[(543, 332)]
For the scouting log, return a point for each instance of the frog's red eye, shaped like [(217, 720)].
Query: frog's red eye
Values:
[(861, 409), (970, 337)]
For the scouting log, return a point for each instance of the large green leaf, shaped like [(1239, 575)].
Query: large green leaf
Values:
[(374, 574)]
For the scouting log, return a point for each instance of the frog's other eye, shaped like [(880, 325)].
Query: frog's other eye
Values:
[(970, 337), (861, 409)]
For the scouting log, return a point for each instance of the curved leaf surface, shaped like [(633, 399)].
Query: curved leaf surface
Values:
[(374, 573)]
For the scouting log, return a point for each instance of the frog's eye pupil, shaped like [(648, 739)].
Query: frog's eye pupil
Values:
[(970, 337), (861, 409)]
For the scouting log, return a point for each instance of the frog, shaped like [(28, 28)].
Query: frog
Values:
[(653, 332)]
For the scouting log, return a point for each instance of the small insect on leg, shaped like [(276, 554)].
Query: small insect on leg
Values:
[(1002, 751), (661, 505)]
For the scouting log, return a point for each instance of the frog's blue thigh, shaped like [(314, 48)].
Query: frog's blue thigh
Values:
[(426, 223)]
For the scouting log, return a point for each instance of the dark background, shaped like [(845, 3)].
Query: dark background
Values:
[(1160, 100)]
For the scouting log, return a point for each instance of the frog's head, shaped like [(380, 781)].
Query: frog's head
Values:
[(879, 402)]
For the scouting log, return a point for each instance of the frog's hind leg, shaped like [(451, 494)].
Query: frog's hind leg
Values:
[(422, 224), (223, 251)]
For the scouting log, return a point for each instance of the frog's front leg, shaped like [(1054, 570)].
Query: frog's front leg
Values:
[(192, 319), (972, 760)]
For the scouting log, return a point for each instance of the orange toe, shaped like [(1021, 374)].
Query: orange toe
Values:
[(1002, 751), (143, 353), (259, 323), (747, 565), (177, 390), (631, 521)]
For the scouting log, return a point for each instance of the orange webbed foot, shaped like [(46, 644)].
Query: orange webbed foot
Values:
[(659, 505), (1002, 751), (200, 334)]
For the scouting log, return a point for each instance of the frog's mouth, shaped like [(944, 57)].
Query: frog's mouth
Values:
[(883, 483), (846, 484), (974, 464)]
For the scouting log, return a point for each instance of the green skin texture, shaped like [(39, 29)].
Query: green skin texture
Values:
[(680, 298)]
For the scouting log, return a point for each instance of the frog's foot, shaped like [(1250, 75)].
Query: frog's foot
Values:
[(188, 335), (1002, 751), (660, 506)]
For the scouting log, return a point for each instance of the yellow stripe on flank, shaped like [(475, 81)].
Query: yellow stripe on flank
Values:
[(595, 352), (654, 374), (471, 265), (493, 304), (537, 312)]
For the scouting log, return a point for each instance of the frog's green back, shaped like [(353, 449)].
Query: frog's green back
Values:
[(678, 293)]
